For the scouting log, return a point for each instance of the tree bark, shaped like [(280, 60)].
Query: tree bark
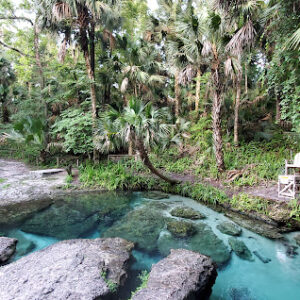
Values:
[(278, 111), (236, 110), (177, 94), (198, 87), (246, 79), (145, 159), (216, 112), (92, 86)]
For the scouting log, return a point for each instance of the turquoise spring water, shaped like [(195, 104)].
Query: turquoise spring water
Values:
[(99, 215)]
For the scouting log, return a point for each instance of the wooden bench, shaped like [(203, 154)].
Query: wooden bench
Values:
[(120, 157)]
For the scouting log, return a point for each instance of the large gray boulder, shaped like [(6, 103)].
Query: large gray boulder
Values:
[(73, 269), (181, 275), (7, 248)]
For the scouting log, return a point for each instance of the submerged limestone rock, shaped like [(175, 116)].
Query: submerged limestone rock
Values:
[(181, 229), (155, 195), (7, 249), (181, 275), (297, 239), (60, 221), (240, 249), (24, 245), (204, 241), (141, 226), (229, 228), (76, 215), (67, 270), (259, 227), (186, 213)]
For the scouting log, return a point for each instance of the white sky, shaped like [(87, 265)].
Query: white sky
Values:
[(152, 4)]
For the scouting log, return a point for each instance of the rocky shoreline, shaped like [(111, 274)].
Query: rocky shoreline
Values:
[(98, 268)]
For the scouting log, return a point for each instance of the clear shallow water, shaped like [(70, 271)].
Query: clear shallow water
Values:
[(90, 216)]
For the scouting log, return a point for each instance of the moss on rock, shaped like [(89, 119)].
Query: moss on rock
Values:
[(229, 228), (181, 229), (186, 213), (240, 249), (141, 226)]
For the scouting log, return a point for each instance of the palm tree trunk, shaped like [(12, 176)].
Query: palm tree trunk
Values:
[(246, 79), (278, 112), (236, 111), (198, 86), (177, 94), (145, 159), (92, 86), (216, 112)]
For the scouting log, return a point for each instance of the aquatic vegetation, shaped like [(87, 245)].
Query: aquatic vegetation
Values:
[(181, 229), (143, 277), (186, 213), (229, 228), (240, 249)]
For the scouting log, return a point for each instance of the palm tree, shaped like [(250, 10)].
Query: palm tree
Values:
[(7, 77), (81, 16), (142, 123), (190, 30), (245, 19)]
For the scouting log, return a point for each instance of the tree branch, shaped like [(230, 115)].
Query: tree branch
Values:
[(15, 49), (16, 18)]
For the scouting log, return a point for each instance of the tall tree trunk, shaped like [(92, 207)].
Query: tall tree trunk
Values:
[(38, 60), (145, 159), (198, 87), (246, 79), (216, 112), (5, 113), (92, 91), (92, 86), (278, 111), (237, 109), (177, 94)]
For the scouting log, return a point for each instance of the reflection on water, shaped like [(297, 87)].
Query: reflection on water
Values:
[(136, 217)]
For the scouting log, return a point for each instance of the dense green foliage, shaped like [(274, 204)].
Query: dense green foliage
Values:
[(205, 90)]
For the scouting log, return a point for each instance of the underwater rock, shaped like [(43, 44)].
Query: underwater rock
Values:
[(7, 249), (290, 250), (24, 245), (181, 275), (18, 211), (181, 229), (155, 195), (265, 260), (74, 216), (259, 227), (229, 228), (297, 239), (141, 226), (186, 213), (70, 269), (240, 294), (61, 222), (204, 242), (240, 249)]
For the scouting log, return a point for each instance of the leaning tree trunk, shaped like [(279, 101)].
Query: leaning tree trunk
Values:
[(198, 87), (177, 94), (145, 159), (216, 112), (236, 110), (5, 113)]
